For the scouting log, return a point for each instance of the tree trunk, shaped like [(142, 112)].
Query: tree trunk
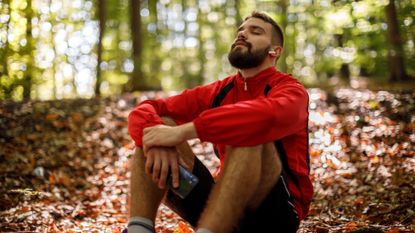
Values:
[(137, 81), (201, 50), (101, 8), (395, 55), (238, 18), (284, 22), (344, 72), (5, 66), (28, 77), (152, 6), (52, 22), (154, 46), (184, 63)]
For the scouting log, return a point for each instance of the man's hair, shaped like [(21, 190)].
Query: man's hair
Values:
[(277, 34)]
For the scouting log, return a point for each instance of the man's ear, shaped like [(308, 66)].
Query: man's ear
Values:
[(276, 52)]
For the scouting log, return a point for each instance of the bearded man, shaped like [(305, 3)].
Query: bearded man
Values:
[(257, 120)]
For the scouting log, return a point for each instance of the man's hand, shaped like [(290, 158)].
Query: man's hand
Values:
[(159, 148), (158, 163), (162, 135)]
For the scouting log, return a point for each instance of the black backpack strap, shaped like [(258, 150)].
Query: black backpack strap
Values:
[(308, 149), (266, 90), (281, 151), (222, 94), (286, 170), (284, 160), (218, 100)]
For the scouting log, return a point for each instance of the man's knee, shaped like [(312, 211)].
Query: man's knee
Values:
[(238, 150), (271, 157), (266, 152)]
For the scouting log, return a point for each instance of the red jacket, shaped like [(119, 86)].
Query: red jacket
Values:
[(274, 108)]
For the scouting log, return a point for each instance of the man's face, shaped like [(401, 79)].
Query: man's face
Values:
[(251, 45)]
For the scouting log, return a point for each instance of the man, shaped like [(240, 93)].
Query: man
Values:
[(257, 120)]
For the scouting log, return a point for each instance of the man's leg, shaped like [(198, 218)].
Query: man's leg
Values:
[(270, 172), (248, 175), (145, 196)]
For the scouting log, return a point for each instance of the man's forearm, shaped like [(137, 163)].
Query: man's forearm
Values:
[(188, 131), (162, 135)]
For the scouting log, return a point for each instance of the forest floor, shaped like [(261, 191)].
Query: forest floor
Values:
[(64, 164)]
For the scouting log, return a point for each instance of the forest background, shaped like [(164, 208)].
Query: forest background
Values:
[(54, 49), (72, 70)]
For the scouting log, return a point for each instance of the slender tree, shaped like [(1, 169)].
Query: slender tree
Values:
[(238, 17), (153, 45), (5, 54), (101, 12), (201, 50), (184, 64), (137, 80), (29, 50), (344, 68), (395, 56), (284, 22), (52, 21)]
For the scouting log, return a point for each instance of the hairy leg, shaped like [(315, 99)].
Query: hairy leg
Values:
[(270, 173), (239, 179), (145, 196), (244, 183)]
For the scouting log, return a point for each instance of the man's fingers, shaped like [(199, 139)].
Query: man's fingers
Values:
[(146, 130), (145, 150), (149, 140), (159, 160), (146, 139), (149, 163), (183, 163), (174, 170), (156, 170), (149, 129), (148, 136), (164, 171)]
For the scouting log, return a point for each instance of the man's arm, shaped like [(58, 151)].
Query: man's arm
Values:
[(162, 135), (258, 121), (182, 108)]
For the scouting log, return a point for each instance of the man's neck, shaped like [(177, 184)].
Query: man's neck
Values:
[(251, 72)]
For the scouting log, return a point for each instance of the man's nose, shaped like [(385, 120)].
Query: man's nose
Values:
[(241, 34)]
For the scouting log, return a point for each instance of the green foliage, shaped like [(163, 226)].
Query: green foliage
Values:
[(185, 43)]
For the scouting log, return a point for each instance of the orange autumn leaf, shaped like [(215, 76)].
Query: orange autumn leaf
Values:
[(351, 226), (393, 230), (52, 116), (359, 201), (183, 228), (77, 117)]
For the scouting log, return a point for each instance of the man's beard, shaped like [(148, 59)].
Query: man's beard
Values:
[(248, 59)]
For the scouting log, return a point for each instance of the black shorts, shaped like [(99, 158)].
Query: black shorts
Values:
[(276, 213)]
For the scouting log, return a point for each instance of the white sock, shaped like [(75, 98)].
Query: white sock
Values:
[(140, 225), (203, 230)]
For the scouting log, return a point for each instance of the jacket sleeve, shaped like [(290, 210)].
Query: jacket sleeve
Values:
[(182, 108), (258, 121)]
